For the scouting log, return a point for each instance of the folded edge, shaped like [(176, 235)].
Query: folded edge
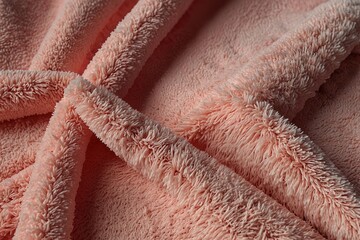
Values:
[(190, 175)]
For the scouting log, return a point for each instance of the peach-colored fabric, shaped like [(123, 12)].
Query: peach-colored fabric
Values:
[(230, 143)]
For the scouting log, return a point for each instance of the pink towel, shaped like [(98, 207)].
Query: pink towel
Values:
[(179, 119)]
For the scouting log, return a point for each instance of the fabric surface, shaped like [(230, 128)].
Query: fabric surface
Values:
[(179, 119)]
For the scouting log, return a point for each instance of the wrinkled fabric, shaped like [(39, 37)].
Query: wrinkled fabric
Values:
[(179, 119)]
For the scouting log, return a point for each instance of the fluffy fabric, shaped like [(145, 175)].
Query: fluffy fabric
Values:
[(191, 176), (75, 33), (234, 125), (211, 151), (25, 93), (48, 207)]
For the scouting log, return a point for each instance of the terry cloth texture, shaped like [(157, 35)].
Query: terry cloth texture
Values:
[(179, 119)]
